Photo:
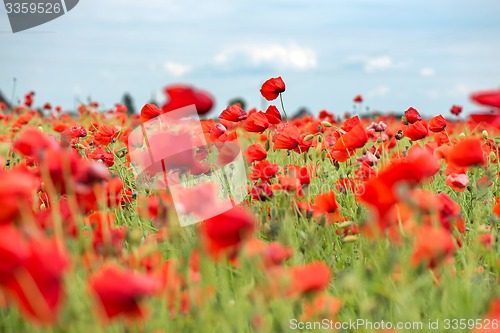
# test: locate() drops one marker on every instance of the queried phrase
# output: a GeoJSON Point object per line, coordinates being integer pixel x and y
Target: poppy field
{"type": "Point", "coordinates": [387, 221]}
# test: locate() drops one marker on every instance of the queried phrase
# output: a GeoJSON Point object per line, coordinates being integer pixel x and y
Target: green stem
{"type": "Point", "coordinates": [283, 107]}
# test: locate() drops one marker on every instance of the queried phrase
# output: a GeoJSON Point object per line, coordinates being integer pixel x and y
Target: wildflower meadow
{"type": "Point", "coordinates": [356, 222]}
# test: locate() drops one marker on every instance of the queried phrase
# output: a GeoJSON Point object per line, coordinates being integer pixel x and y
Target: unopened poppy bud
{"type": "Point", "coordinates": [79, 146]}
{"type": "Point", "coordinates": [462, 135]}
{"type": "Point", "coordinates": [267, 145]}
{"type": "Point", "coordinates": [350, 239]}
{"type": "Point", "coordinates": [493, 156]}
{"type": "Point", "coordinates": [309, 137]}
{"type": "Point", "coordinates": [404, 120]}
{"type": "Point", "coordinates": [485, 134]}
{"type": "Point", "coordinates": [320, 139]}
{"type": "Point", "coordinates": [134, 236]}
{"type": "Point", "coordinates": [344, 224]}
{"type": "Point", "coordinates": [326, 124]}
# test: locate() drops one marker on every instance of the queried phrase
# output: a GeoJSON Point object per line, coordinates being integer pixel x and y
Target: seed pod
{"type": "Point", "coordinates": [309, 137]}
{"type": "Point", "coordinates": [350, 239]}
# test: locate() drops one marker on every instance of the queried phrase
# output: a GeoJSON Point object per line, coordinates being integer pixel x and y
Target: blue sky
{"type": "Point", "coordinates": [426, 54]}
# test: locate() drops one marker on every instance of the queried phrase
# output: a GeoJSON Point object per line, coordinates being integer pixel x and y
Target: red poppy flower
{"type": "Point", "coordinates": [326, 203]}
{"type": "Point", "coordinates": [355, 138]}
{"type": "Point", "coordinates": [358, 99]}
{"type": "Point", "coordinates": [322, 306]}
{"type": "Point", "coordinates": [149, 111]}
{"type": "Point", "coordinates": [234, 113]}
{"type": "Point", "coordinates": [107, 238]}
{"type": "Point", "coordinates": [120, 291]}
{"type": "Point", "coordinates": [493, 316]}
{"type": "Point", "coordinates": [269, 254]}
{"type": "Point", "coordinates": [287, 138]}
{"type": "Point", "coordinates": [466, 153]}
{"type": "Point", "coordinates": [488, 98]}
{"type": "Point", "coordinates": [100, 154]}
{"type": "Point", "coordinates": [496, 209]}
{"type": "Point", "coordinates": [350, 123]}
{"type": "Point", "coordinates": [38, 287]}
{"type": "Point", "coordinates": [416, 131]}
{"type": "Point", "coordinates": [105, 135]}
{"type": "Point", "coordinates": [16, 190]}
{"type": "Point", "coordinates": [428, 164]}
{"type": "Point", "coordinates": [13, 250]}
{"type": "Point", "coordinates": [458, 182]}
{"type": "Point", "coordinates": [32, 143]}
{"type": "Point", "coordinates": [489, 119]}
{"type": "Point", "coordinates": [256, 122]}
{"type": "Point", "coordinates": [432, 245]}
{"type": "Point", "coordinates": [180, 96]}
{"type": "Point", "coordinates": [261, 192]}
{"type": "Point", "coordinates": [255, 152]}
{"type": "Point", "coordinates": [412, 115]}
{"type": "Point", "coordinates": [437, 124]}
{"type": "Point", "coordinates": [311, 277]}
{"type": "Point", "coordinates": [273, 115]}
{"type": "Point", "coordinates": [302, 173]}
{"type": "Point", "coordinates": [225, 232]}
{"type": "Point", "coordinates": [456, 110]}
{"type": "Point", "coordinates": [264, 170]}
{"type": "Point", "coordinates": [272, 88]}
{"type": "Point", "coordinates": [380, 192]}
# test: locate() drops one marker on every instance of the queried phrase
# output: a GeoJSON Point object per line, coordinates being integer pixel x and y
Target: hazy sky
{"type": "Point", "coordinates": [428, 54]}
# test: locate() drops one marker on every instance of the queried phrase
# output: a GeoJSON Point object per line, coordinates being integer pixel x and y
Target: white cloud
{"type": "Point", "coordinates": [280, 56]}
{"type": "Point", "coordinates": [176, 69]}
{"type": "Point", "coordinates": [427, 72]}
{"type": "Point", "coordinates": [377, 63]}
{"type": "Point", "coordinates": [379, 91]}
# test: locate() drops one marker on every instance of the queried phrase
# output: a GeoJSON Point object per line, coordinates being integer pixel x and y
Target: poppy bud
{"type": "Point", "coordinates": [134, 236]}
{"type": "Point", "coordinates": [404, 120]}
{"type": "Point", "coordinates": [326, 124]}
{"type": "Point", "coordinates": [320, 139]}
{"type": "Point", "coordinates": [485, 134]}
{"type": "Point", "coordinates": [345, 224]}
{"type": "Point", "coordinates": [309, 137]}
{"type": "Point", "coordinates": [350, 239]}
{"type": "Point", "coordinates": [493, 156]}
